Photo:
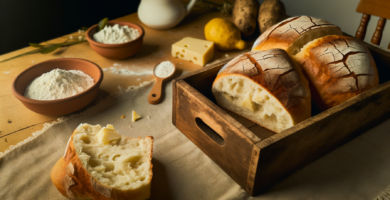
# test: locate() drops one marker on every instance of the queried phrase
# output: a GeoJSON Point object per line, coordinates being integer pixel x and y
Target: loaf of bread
{"type": "Point", "coordinates": [101, 164]}
{"type": "Point", "coordinates": [293, 33]}
{"type": "Point", "coordinates": [264, 87]}
{"type": "Point", "coordinates": [338, 68]}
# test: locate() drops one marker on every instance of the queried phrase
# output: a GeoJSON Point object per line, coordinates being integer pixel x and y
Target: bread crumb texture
{"type": "Point", "coordinates": [263, 86]}
{"type": "Point", "coordinates": [243, 96]}
{"type": "Point", "coordinates": [125, 165]}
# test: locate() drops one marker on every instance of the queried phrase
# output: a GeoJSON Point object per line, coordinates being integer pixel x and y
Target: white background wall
{"type": "Point", "coordinates": [340, 12]}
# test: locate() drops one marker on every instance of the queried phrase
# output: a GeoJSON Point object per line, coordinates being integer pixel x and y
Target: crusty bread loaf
{"type": "Point", "coordinates": [338, 67]}
{"type": "Point", "coordinates": [264, 87]}
{"type": "Point", "coordinates": [293, 33]}
{"type": "Point", "coordinates": [90, 169]}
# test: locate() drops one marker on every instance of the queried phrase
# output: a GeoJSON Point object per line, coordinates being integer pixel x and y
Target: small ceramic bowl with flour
{"type": "Point", "coordinates": [59, 86]}
{"type": "Point", "coordinates": [118, 40]}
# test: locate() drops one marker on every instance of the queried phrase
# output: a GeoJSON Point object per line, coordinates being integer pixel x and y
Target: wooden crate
{"type": "Point", "coordinates": [257, 158]}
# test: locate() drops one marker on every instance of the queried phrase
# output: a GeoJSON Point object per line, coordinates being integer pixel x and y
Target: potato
{"type": "Point", "coordinates": [244, 16]}
{"type": "Point", "coordinates": [270, 13]}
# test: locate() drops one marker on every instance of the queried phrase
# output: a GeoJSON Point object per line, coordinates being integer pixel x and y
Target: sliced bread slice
{"type": "Point", "coordinates": [265, 87]}
{"type": "Point", "coordinates": [98, 163]}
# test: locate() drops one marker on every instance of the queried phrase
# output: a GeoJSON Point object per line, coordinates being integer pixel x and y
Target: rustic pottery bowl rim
{"type": "Point", "coordinates": [22, 98]}
{"type": "Point", "coordinates": [122, 23]}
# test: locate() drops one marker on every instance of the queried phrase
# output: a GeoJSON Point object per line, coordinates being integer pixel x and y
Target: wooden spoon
{"type": "Point", "coordinates": [155, 94]}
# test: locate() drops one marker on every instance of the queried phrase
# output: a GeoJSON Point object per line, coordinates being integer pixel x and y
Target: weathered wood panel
{"type": "Point", "coordinates": [234, 153]}
{"type": "Point", "coordinates": [300, 145]}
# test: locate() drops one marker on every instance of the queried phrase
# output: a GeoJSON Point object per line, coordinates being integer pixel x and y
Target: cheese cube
{"type": "Point", "coordinates": [108, 134]}
{"type": "Point", "coordinates": [135, 116]}
{"type": "Point", "coordinates": [194, 50]}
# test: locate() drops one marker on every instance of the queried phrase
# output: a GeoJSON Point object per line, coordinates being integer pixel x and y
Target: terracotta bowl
{"type": "Point", "coordinates": [59, 106]}
{"type": "Point", "coordinates": [116, 51]}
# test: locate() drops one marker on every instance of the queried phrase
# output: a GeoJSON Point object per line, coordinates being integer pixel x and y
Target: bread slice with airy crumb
{"type": "Point", "coordinates": [265, 87]}
{"type": "Point", "coordinates": [101, 164]}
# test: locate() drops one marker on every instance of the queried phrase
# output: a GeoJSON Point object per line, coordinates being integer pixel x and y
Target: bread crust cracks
{"type": "Point", "coordinates": [68, 182]}
{"type": "Point", "coordinates": [103, 190]}
{"type": "Point", "coordinates": [345, 58]}
{"type": "Point", "coordinates": [70, 169]}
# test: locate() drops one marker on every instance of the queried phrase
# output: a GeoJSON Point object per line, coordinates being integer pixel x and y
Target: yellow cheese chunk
{"type": "Point", "coordinates": [135, 116]}
{"type": "Point", "coordinates": [248, 103]}
{"type": "Point", "coordinates": [108, 134]}
{"type": "Point", "coordinates": [194, 50]}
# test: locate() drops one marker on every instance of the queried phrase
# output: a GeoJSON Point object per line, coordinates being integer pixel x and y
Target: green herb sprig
{"type": "Point", "coordinates": [45, 49]}
{"type": "Point", "coordinates": [102, 23]}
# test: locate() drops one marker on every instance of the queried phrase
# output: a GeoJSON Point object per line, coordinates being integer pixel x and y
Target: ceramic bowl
{"type": "Point", "coordinates": [116, 51]}
{"type": "Point", "coordinates": [59, 106]}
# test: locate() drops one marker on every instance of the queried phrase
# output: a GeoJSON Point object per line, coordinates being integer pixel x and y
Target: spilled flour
{"type": "Point", "coordinates": [127, 72]}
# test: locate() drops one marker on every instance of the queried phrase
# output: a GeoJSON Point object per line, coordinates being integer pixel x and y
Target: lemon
{"type": "Point", "coordinates": [225, 35]}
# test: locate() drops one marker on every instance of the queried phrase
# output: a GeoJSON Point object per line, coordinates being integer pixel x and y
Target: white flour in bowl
{"type": "Point", "coordinates": [116, 34]}
{"type": "Point", "coordinates": [58, 84]}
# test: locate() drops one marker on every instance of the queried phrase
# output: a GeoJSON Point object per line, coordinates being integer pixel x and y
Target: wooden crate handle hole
{"type": "Point", "coordinates": [209, 132]}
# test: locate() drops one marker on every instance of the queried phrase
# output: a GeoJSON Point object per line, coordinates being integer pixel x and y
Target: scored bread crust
{"type": "Point", "coordinates": [338, 68]}
{"type": "Point", "coordinates": [73, 180]}
{"type": "Point", "coordinates": [292, 33]}
{"type": "Point", "coordinates": [273, 71]}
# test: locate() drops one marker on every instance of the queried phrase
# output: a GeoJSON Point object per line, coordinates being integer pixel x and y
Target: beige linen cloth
{"type": "Point", "coordinates": [358, 170]}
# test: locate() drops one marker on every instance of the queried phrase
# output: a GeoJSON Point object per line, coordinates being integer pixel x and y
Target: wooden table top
{"type": "Point", "coordinates": [17, 123]}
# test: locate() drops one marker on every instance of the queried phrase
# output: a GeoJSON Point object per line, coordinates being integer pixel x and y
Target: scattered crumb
{"type": "Point", "coordinates": [80, 37]}
{"type": "Point", "coordinates": [105, 69]}
{"type": "Point", "coordinates": [71, 37]}
{"type": "Point", "coordinates": [5, 139]}
{"type": "Point", "coordinates": [33, 61]}
{"type": "Point", "coordinates": [148, 117]}
{"type": "Point", "coordinates": [122, 116]}
{"type": "Point", "coordinates": [9, 121]}
{"type": "Point", "coordinates": [226, 55]}
{"type": "Point", "coordinates": [138, 79]}
{"type": "Point", "coordinates": [7, 72]}
{"type": "Point", "coordinates": [130, 126]}
{"type": "Point", "coordinates": [116, 64]}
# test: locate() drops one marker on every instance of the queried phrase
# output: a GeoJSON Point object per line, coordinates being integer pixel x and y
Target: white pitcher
{"type": "Point", "coordinates": [163, 14]}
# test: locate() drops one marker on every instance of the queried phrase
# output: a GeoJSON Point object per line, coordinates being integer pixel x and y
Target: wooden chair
{"type": "Point", "coordinates": [380, 8]}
